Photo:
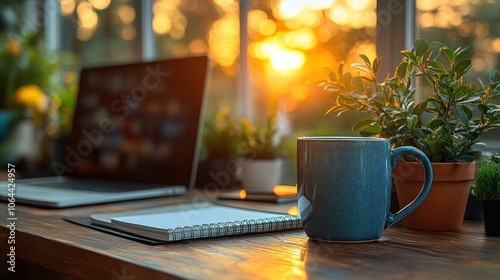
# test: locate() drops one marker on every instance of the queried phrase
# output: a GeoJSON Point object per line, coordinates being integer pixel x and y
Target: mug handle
{"type": "Point", "coordinates": [428, 176]}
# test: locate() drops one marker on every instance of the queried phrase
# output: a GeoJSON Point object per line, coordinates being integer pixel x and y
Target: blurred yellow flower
{"type": "Point", "coordinates": [222, 118]}
{"type": "Point", "coordinates": [14, 47]}
{"type": "Point", "coordinates": [32, 97]}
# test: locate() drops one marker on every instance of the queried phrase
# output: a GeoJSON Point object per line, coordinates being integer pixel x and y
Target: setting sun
{"type": "Point", "coordinates": [286, 60]}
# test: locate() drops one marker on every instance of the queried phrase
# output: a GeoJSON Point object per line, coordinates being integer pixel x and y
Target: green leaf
{"type": "Point", "coordinates": [357, 95]}
{"type": "Point", "coordinates": [435, 123]}
{"type": "Point", "coordinates": [496, 159]}
{"type": "Point", "coordinates": [357, 82]}
{"type": "Point", "coordinates": [420, 107]}
{"type": "Point", "coordinates": [365, 59]}
{"type": "Point", "coordinates": [462, 52]}
{"type": "Point", "coordinates": [465, 158]}
{"type": "Point", "coordinates": [497, 88]}
{"type": "Point", "coordinates": [332, 109]}
{"type": "Point", "coordinates": [468, 112]}
{"type": "Point", "coordinates": [370, 131]}
{"type": "Point", "coordinates": [412, 119]}
{"type": "Point", "coordinates": [375, 64]}
{"type": "Point", "coordinates": [449, 53]}
{"type": "Point", "coordinates": [362, 124]}
{"type": "Point", "coordinates": [421, 46]}
{"type": "Point", "coordinates": [448, 152]}
{"type": "Point", "coordinates": [459, 112]}
{"type": "Point", "coordinates": [463, 66]}
{"type": "Point", "coordinates": [466, 135]}
{"type": "Point", "coordinates": [423, 144]}
{"type": "Point", "coordinates": [347, 80]}
{"type": "Point", "coordinates": [340, 70]}
{"type": "Point", "coordinates": [401, 70]}
{"type": "Point", "coordinates": [409, 55]}
{"type": "Point", "coordinates": [419, 133]}
{"type": "Point", "coordinates": [493, 74]}
{"type": "Point", "coordinates": [342, 112]}
{"type": "Point", "coordinates": [478, 145]}
{"type": "Point", "coordinates": [361, 67]}
{"type": "Point", "coordinates": [435, 64]}
{"type": "Point", "coordinates": [483, 109]}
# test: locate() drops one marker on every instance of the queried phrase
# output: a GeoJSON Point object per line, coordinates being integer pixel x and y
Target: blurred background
{"type": "Point", "coordinates": [262, 51]}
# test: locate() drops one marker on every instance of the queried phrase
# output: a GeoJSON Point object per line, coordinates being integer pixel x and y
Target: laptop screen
{"type": "Point", "coordinates": [139, 122]}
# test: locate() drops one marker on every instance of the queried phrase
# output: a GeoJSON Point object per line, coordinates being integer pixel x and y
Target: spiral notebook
{"type": "Point", "coordinates": [197, 220]}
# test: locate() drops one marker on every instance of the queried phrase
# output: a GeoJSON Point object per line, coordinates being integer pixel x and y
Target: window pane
{"type": "Point", "coordinates": [291, 41]}
{"type": "Point", "coordinates": [200, 27]}
{"type": "Point", "coordinates": [101, 32]}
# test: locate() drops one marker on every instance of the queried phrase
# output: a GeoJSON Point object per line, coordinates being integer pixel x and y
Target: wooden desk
{"type": "Point", "coordinates": [44, 239]}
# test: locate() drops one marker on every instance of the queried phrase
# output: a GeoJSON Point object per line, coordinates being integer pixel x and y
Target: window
{"type": "Point", "coordinates": [289, 41]}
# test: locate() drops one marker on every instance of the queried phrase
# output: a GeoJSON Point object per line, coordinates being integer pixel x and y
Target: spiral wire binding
{"type": "Point", "coordinates": [233, 228]}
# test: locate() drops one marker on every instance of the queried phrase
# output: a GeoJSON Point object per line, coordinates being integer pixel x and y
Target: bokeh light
{"type": "Point", "coordinates": [289, 40]}
{"type": "Point", "coordinates": [67, 7]}
{"type": "Point", "coordinates": [100, 4]}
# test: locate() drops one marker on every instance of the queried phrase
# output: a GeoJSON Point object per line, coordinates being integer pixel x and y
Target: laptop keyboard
{"type": "Point", "coordinates": [95, 186]}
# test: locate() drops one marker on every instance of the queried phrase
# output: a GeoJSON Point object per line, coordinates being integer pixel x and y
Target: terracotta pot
{"type": "Point", "coordinates": [444, 207]}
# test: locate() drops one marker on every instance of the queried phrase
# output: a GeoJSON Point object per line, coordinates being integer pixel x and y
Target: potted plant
{"type": "Point", "coordinates": [29, 99]}
{"type": "Point", "coordinates": [262, 148]}
{"type": "Point", "coordinates": [220, 164]}
{"type": "Point", "coordinates": [446, 125]}
{"type": "Point", "coordinates": [487, 190]}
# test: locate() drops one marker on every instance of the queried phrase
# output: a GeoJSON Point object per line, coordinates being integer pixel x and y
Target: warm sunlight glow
{"type": "Point", "coordinates": [161, 24]}
{"type": "Point", "coordinates": [83, 8]}
{"type": "Point", "coordinates": [301, 39]}
{"type": "Point", "coordinates": [495, 44]}
{"type": "Point", "coordinates": [227, 5]}
{"type": "Point", "coordinates": [128, 33]}
{"type": "Point", "coordinates": [126, 14]}
{"type": "Point", "coordinates": [299, 93]}
{"type": "Point", "coordinates": [284, 190]}
{"type": "Point", "coordinates": [88, 20]}
{"type": "Point", "coordinates": [83, 34]}
{"type": "Point", "coordinates": [290, 8]}
{"type": "Point", "coordinates": [359, 5]}
{"type": "Point", "coordinates": [178, 31]}
{"type": "Point", "coordinates": [267, 27]}
{"type": "Point", "coordinates": [67, 7]}
{"type": "Point", "coordinates": [286, 60]}
{"type": "Point", "coordinates": [478, 64]}
{"type": "Point", "coordinates": [100, 4]}
{"type": "Point", "coordinates": [320, 4]}
{"type": "Point", "coordinates": [294, 210]}
{"type": "Point", "coordinates": [338, 14]}
{"type": "Point", "coordinates": [198, 46]}
{"type": "Point", "coordinates": [255, 18]}
{"type": "Point", "coordinates": [426, 20]}
{"type": "Point", "coordinates": [223, 40]}
{"type": "Point", "coordinates": [427, 5]}
{"type": "Point", "coordinates": [243, 194]}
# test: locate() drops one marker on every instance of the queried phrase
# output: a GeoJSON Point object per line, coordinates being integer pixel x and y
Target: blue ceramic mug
{"type": "Point", "coordinates": [344, 186]}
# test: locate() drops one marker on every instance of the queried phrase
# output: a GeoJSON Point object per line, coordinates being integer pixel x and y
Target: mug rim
{"type": "Point", "coordinates": [342, 138]}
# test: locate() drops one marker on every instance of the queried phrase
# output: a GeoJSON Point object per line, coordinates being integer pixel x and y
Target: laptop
{"type": "Point", "coordinates": [136, 134]}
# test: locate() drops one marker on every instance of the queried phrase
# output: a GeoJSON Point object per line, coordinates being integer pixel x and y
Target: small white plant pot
{"type": "Point", "coordinates": [261, 175]}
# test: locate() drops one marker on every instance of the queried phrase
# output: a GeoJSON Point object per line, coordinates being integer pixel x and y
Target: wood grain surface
{"type": "Point", "coordinates": [44, 239]}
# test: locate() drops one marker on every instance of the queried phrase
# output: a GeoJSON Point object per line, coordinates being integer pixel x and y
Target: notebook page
{"type": "Point", "coordinates": [192, 217]}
